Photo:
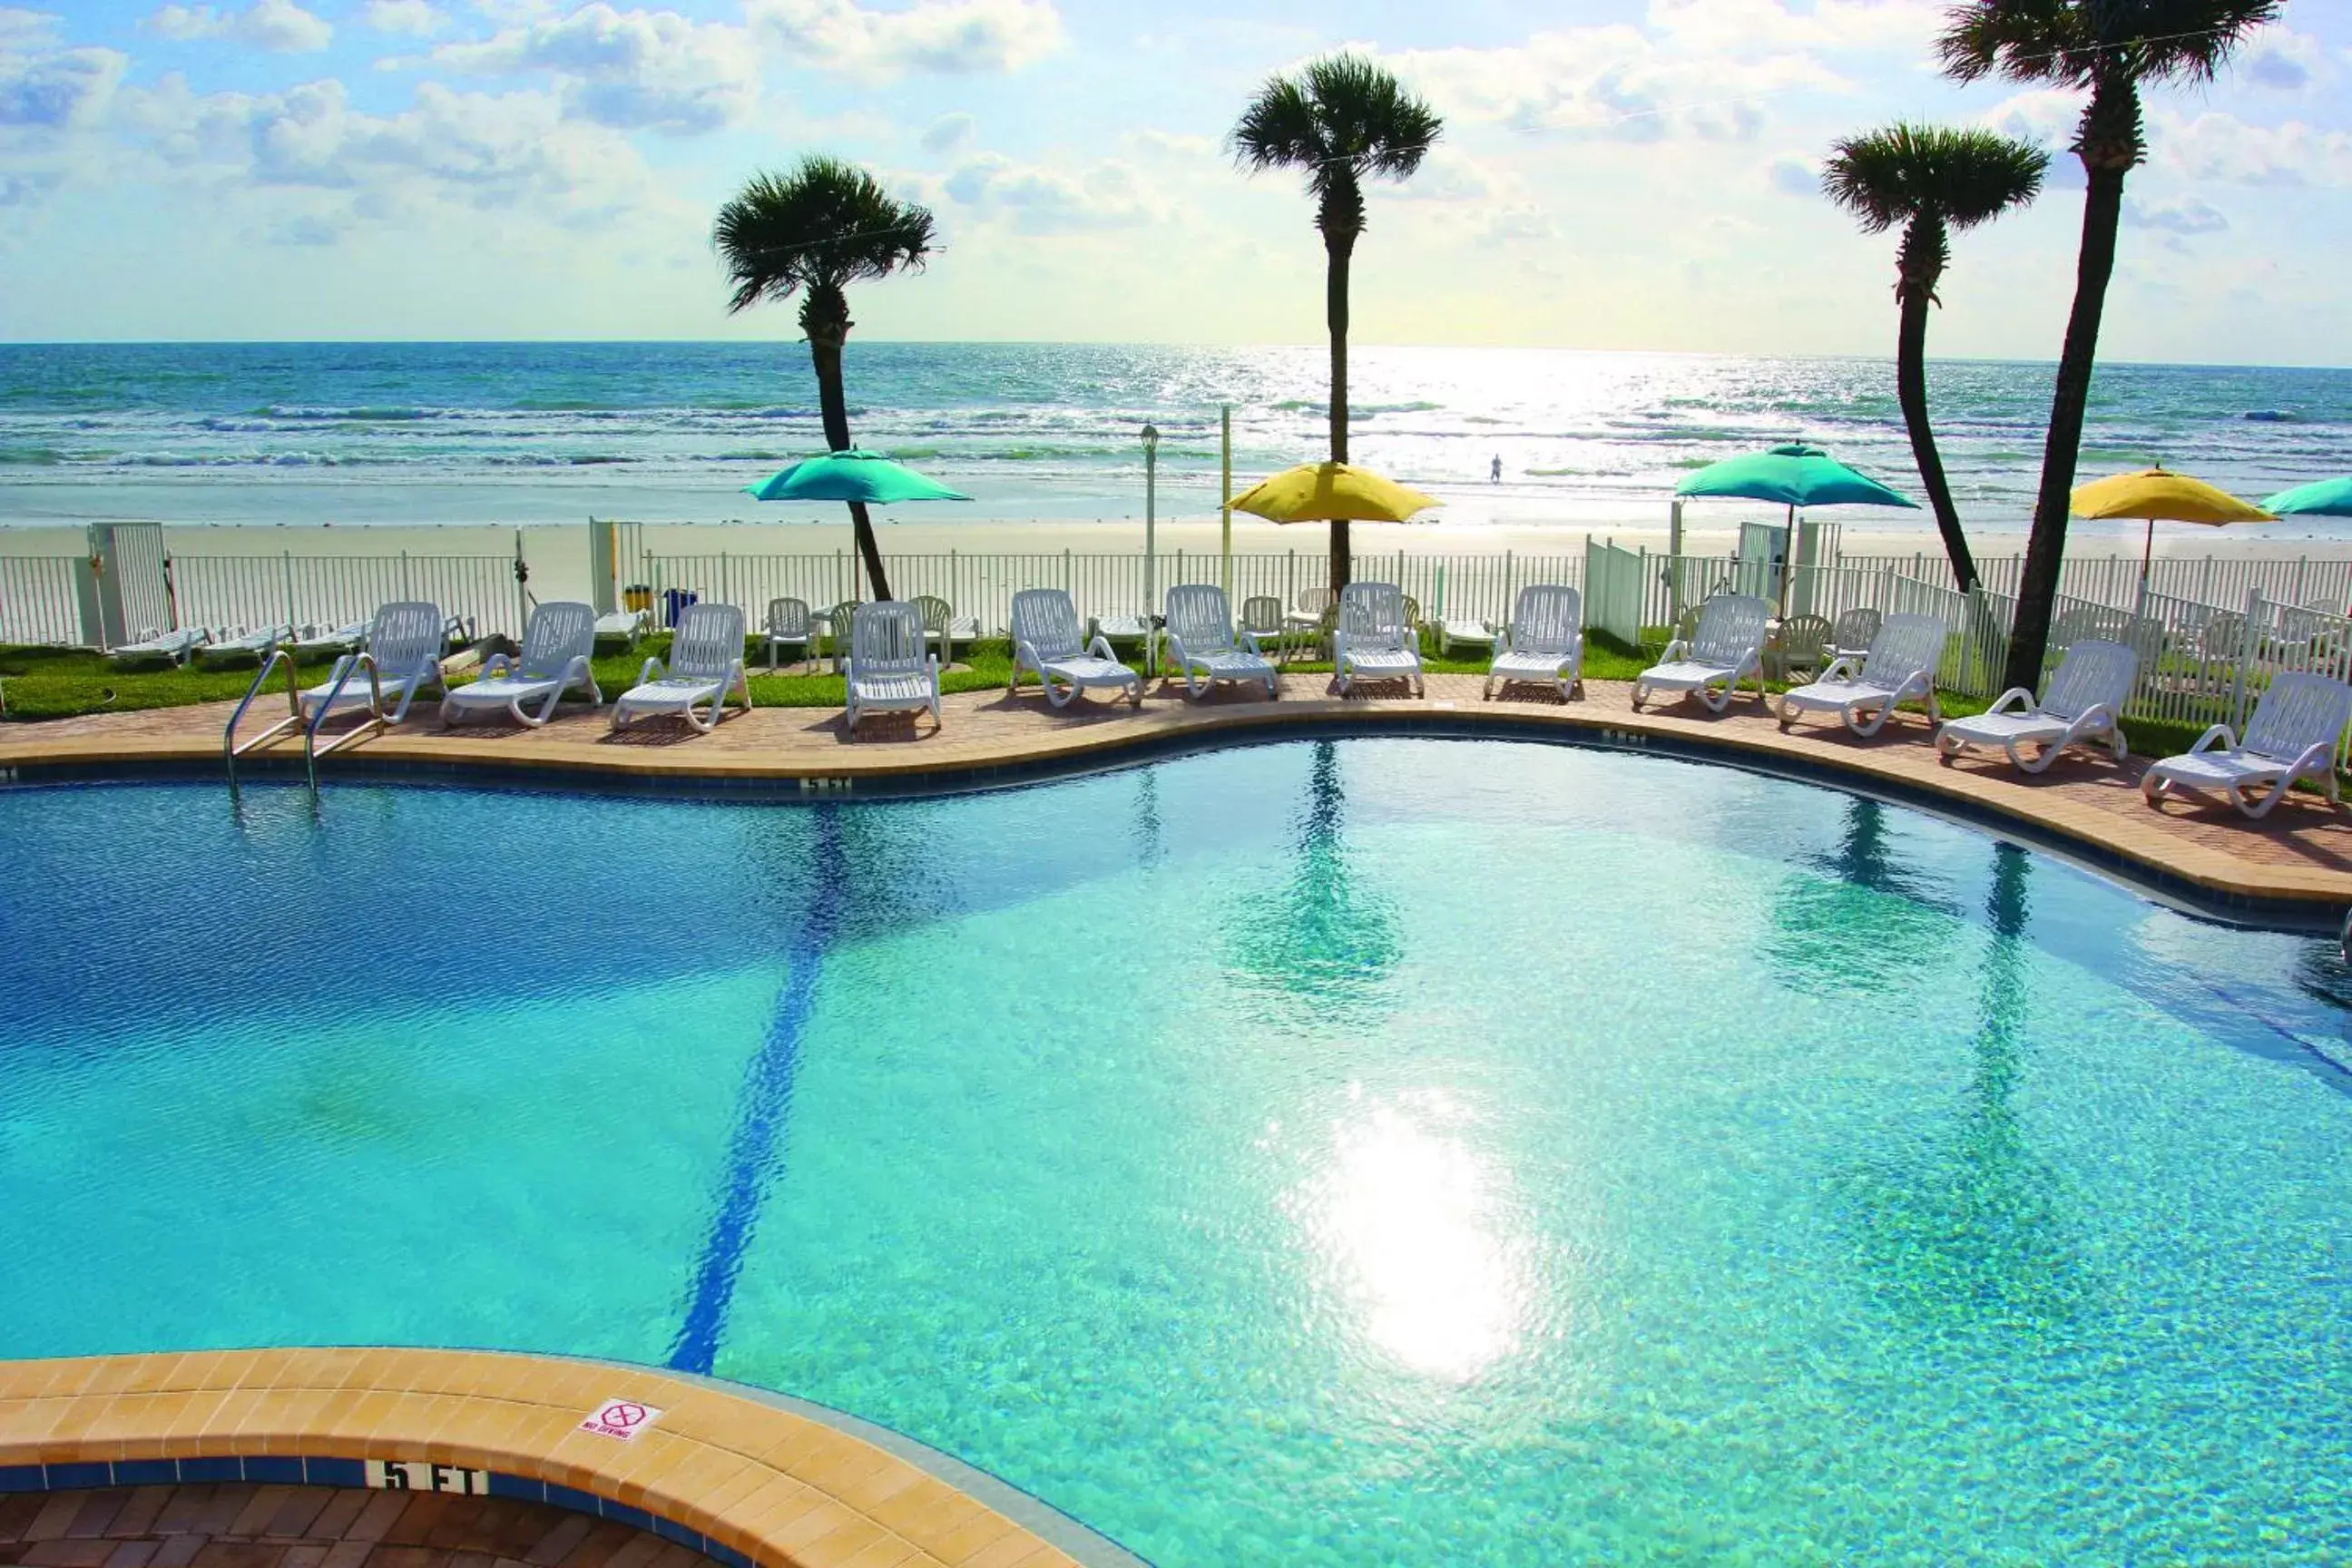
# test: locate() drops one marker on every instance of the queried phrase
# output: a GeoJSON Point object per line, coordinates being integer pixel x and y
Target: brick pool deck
{"type": "Point", "coordinates": [2298, 860]}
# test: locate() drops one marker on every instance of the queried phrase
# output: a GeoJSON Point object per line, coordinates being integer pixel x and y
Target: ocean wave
{"type": "Point", "coordinates": [369, 414]}
{"type": "Point", "coordinates": [30, 457]}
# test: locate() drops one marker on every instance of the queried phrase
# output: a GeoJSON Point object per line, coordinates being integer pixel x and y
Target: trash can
{"type": "Point", "coordinates": [675, 601]}
{"type": "Point", "coordinates": [637, 597]}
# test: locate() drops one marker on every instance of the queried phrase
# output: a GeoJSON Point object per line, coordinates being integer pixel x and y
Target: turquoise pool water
{"type": "Point", "coordinates": [1331, 1154]}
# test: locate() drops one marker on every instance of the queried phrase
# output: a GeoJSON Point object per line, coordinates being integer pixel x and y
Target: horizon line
{"type": "Point", "coordinates": [6, 343]}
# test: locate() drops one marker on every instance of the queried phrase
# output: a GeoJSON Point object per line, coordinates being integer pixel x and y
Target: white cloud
{"type": "Point", "coordinates": [949, 36]}
{"type": "Point", "coordinates": [2217, 146]}
{"type": "Point", "coordinates": [2176, 215]}
{"type": "Point", "coordinates": [1449, 174]}
{"type": "Point", "coordinates": [56, 90]}
{"type": "Point", "coordinates": [313, 163]}
{"type": "Point", "coordinates": [28, 30]}
{"type": "Point", "coordinates": [631, 69]}
{"type": "Point", "coordinates": [2283, 60]}
{"type": "Point", "coordinates": [279, 27]}
{"type": "Point", "coordinates": [1795, 176]}
{"type": "Point", "coordinates": [1741, 27]}
{"type": "Point", "coordinates": [1519, 221]}
{"type": "Point", "coordinates": [948, 133]}
{"type": "Point", "coordinates": [411, 18]}
{"type": "Point", "coordinates": [1041, 200]}
{"type": "Point", "coordinates": [1615, 81]}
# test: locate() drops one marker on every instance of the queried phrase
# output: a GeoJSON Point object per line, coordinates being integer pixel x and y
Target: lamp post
{"type": "Point", "coordinates": [1151, 546]}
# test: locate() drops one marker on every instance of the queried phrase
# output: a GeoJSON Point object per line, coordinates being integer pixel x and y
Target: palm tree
{"type": "Point", "coordinates": [1931, 179]}
{"type": "Point", "coordinates": [2108, 47]}
{"type": "Point", "coordinates": [814, 231]}
{"type": "Point", "coordinates": [1340, 120]}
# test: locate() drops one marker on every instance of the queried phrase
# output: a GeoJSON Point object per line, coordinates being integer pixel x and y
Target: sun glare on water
{"type": "Point", "coordinates": [1409, 1224]}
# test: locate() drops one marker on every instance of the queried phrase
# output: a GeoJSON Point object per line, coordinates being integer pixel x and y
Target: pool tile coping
{"type": "Point", "coordinates": [747, 1482]}
{"type": "Point", "coordinates": [980, 745]}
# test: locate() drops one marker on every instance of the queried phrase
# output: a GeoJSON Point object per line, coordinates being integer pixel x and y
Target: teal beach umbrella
{"type": "Point", "coordinates": [1793, 475]}
{"type": "Point", "coordinates": [854, 475]}
{"type": "Point", "coordinates": [2329, 498]}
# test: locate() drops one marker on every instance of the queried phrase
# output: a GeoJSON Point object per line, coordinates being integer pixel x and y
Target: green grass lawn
{"type": "Point", "coordinates": [38, 683]}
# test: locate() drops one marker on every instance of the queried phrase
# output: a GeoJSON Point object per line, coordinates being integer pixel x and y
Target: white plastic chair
{"type": "Point", "coordinates": [704, 670]}
{"type": "Point", "coordinates": [891, 668]}
{"type": "Point", "coordinates": [2292, 736]}
{"type": "Point", "coordinates": [1900, 665]}
{"type": "Point", "coordinates": [1205, 646]}
{"type": "Point", "coordinates": [2084, 704]}
{"type": "Point", "coordinates": [1371, 640]}
{"type": "Point", "coordinates": [556, 647]}
{"type": "Point", "coordinates": [1725, 649]}
{"type": "Point", "coordinates": [1855, 630]}
{"type": "Point", "coordinates": [788, 626]}
{"type": "Point", "coordinates": [1545, 641]}
{"type": "Point", "coordinates": [1048, 642]}
{"type": "Point", "coordinates": [402, 659]}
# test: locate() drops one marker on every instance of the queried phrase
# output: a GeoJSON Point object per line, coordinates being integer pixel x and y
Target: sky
{"type": "Point", "coordinates": [1613, 174]}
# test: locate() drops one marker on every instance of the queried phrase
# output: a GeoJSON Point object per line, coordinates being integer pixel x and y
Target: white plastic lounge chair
{"type": "Point", "coordinates": [554, 660]}
{"type": "Point", "coordinates": [2084, 704]}
{"type": "Point", "coordinates": [402, 659]}
{"type": "Point", "coordinates": [626, 626]}
{"type": "Point", "coordinates": [1205, 646]}
{"type": "Point", "coordinates": [1900, 665]}
{"type": "Point", "coordinates": [705, 668]}
{"type": "Point", "coordinates": [2292, 736]}
{"type": "Point", "coordinates": [788, 628]}
{"type": "Point", "coordinates": [1372, 640]}
{"type": "Point", "coordinates": [1545, 641]}
{"type": "Point", "coordinates": [1456, 631]}
{"type": "Point", "coordinates": [891, 668]}
{"type": "Point", "coordinates": [1048, 643]}
{"type": "Point", "coordinates": [174, 646]}
{"type": "Point", "coordinates": [1725, 649]}
{"type": "Point", "coordinates": [261, 643]}
{"type": "Point", "coordinates": [317, 642]}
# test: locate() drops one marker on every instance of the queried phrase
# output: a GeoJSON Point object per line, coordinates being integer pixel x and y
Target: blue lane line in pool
{"type": "Point", "coordinates": [755, 1153]}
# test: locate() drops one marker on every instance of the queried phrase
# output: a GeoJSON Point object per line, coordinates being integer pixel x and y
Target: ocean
{"type": "Point", "coordinates": [407, 434]}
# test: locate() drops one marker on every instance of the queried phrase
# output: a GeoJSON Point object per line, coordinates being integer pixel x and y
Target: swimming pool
{"type": "Point", "coordinates": [1331, 1153]}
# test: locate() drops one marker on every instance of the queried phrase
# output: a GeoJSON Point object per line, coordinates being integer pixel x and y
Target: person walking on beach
{"type": "Point", "coordinates": [1495, 471]}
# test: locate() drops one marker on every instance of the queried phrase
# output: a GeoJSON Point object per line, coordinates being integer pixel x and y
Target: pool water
{"type": "Point", "coordinates": [1324, 1153]}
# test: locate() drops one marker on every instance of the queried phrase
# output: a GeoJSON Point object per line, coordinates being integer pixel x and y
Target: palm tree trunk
{"type": "Point", "coordinates": [1341, 247]}
{"type": "Point", "coordinates": [1911, 390]}
{"type": "Point", "coordinates": [2112, 118]}
{"type": "Point", "coordinates": [828, 329]}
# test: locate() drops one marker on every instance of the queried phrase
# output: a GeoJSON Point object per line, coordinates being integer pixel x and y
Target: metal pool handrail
{"type": "Point", "coordinates": [375, 709]}
{"type": "Point", "coordinates": [230, 748]}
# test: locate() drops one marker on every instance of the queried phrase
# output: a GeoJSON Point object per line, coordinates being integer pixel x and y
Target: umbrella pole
{"type": "Point", "coordinates": [2147, 559]}
{"type": "Point", "coordinates": [1788, 559]}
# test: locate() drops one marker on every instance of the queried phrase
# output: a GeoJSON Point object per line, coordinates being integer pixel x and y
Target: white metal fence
{"type": "Point", "coordinates": [293, 590]}
{"type": "Point", "coordinates": [39, 602]}
{"type": "Point", "coordinates": [983, 585]}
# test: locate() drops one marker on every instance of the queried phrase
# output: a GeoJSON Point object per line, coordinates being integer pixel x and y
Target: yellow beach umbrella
{"type": "Point", "coordinates": [1331, 492]}
{"type": "Point", "coordinates": [2161, 496]}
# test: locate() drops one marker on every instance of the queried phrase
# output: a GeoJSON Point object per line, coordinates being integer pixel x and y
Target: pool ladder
{"type": "Point", "coordinates": [345, 668]}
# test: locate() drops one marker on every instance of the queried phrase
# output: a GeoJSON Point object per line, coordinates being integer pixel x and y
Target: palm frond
{"type": "Point", "coordinates": [1961, 175]}
{"type": "Point", "coordinates": [2075, 43]}
{"type": "Point", "coordinates": [1340, 114]}
{"type": "Point", "coordinates": [823, 224]}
